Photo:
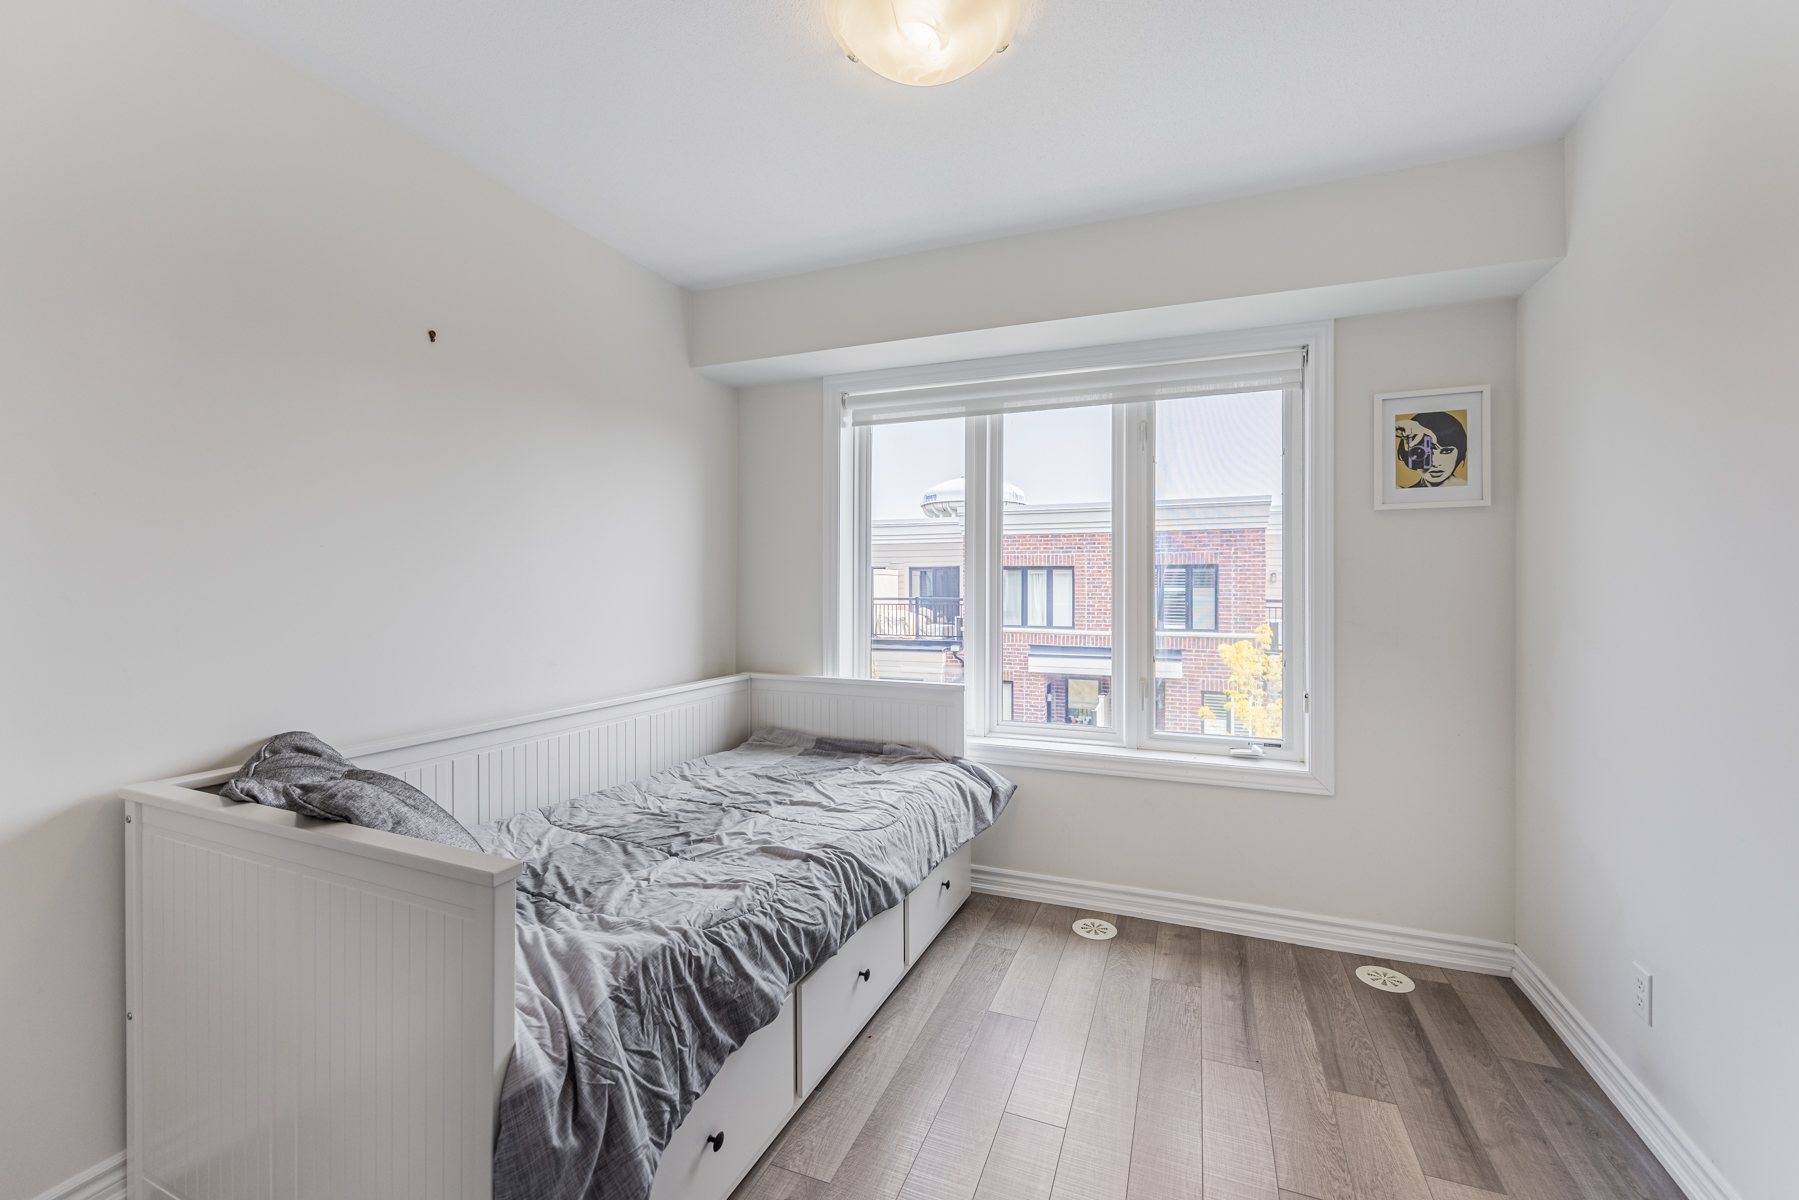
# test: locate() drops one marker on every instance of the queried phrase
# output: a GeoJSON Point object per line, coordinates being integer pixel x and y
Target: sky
{"type": "Point", "coordinates": [1206, 446]}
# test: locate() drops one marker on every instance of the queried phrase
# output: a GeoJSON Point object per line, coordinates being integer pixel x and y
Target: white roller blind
{"type": "Point", "coordinates": [1067, 389]}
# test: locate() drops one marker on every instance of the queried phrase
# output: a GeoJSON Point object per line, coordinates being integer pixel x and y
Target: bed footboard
{"type": "Point", "coordinates": [313, 1009]}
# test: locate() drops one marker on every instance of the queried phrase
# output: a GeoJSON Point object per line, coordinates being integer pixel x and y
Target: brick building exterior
{"type": "Point", "coordinates": [1218, 560]}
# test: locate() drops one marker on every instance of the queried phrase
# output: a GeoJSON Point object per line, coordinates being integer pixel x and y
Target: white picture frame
{"type": "Point", "coordinates": [1409, 453]}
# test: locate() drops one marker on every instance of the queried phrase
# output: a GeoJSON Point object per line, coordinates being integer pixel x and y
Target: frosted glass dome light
{"type": "Point", "coordinates": [922, 42]}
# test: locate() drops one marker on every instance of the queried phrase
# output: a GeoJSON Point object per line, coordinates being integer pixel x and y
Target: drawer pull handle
{"type": "Point", "coordinates": [946, 884]}
{"type": "Point", "coordinates": [863, 973]}
{"type": "Point", "coordinates": [717, 1141]}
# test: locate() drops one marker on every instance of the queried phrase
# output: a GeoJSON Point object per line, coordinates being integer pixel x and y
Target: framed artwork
{"type": "Point", "coordinates": [1431, 449]}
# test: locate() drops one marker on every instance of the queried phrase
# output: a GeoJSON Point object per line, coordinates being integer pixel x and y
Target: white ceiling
{"type": "Point", "coordinates": [722, 140]}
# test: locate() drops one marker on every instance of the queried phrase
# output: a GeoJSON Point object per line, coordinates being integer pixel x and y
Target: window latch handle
{"type": "Point", "coordinates": [1250, 751]}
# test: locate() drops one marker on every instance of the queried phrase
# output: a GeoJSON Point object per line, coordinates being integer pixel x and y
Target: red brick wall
{"type": "Point", "coordinates": [1241, 558]}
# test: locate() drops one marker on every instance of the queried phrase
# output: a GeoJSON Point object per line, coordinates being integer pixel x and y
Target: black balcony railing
{"type": "Point", "coordinates": [917, 619]}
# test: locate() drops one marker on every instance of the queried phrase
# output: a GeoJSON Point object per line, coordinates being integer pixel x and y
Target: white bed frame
{"type": "Point", "coordinates": [317, 1011]}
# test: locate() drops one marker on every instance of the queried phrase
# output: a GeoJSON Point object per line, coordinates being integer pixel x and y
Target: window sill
{"type": "Point", "coordinates": [1269, 775]}
{"type": "Point", "coordinates": [1107, 632]}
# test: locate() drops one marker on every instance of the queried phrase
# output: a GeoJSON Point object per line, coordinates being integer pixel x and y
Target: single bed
{"type": "Point", "coordinates": [686, 931]}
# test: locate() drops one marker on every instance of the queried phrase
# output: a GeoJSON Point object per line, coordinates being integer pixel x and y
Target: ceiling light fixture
{"type": "Point", "coordinates": [922, 42]}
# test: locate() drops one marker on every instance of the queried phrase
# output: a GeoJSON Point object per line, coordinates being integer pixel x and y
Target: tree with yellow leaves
{"type": "Point", "coordinates": [1254, 686]}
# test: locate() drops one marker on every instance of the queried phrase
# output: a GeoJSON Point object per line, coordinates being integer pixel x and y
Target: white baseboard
{"type": "Point", "coordinates": [1689, 1166]}
{"type": "Point", "coordinates": [1277, 924]}
{"type": "Point", "coordinates": [102, 1181]}
{"type": "Point", "coordinates": [1678, 1153]}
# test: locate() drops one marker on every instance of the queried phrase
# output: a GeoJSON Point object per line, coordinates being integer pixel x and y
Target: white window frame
{"type": "Point", "coordinates": [1130, 748]}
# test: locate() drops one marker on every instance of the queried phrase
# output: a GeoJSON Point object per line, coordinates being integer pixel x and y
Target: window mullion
{"type": "Point", "coordinates": [982, 586]}
{"type": "Point", "coordinates": [1298, 530]}
{"type": "Point", "coordinates": [1133, 568]}
{"type": "Point", "coordinates": [860, 616]}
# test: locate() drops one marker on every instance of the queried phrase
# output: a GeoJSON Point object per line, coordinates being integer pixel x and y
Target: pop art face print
{"type": "Point", "coordinates": [1431, 449]}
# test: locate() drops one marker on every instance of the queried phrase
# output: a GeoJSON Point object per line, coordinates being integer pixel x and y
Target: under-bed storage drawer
{"type": "Point", "coordinates": [837, 999]}
{"type": "Point", "coordinates": [933, 902]}
{"type": "Point", "coordinates": [747, 1103]}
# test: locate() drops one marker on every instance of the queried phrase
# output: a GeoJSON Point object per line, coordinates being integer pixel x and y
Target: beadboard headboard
{"type": "Point", "coordinates": [491, 772]}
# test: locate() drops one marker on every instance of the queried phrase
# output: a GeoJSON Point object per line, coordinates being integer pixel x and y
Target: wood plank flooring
{"type": "Point", "coordinates": [1018, 1061]}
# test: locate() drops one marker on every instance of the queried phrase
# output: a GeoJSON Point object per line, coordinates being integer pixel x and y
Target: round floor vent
{"type": "Point", "coordinates": [1384, 978]}
{"type": "Point", "coordinates": [1092, 927]}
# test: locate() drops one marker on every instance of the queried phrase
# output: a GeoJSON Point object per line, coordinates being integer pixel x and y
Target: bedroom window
{"type": "Point", "coordinates": [1111, 548]}
{"type": "Point", "coordinates": [1054, 640]}
{"type": "Point", "coordinates": [915, 551]}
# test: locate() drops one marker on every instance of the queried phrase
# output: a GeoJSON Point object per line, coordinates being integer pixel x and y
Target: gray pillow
{"type": "Point", "coordinates": [298, 771]}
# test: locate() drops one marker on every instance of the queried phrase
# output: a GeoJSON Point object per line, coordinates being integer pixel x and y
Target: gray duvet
{"type": "Point", "coordinates": [662, 922]}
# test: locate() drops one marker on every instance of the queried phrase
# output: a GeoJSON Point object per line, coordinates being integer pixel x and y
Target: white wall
{"type": "Point", "coordinates": [1420, 831]}
{"type": "Point", "coordinates": [780, 528]}
{"type": "Point", "coordinates": [242, 493]}
{"type": "Point", "coordinates": [1657, 820]}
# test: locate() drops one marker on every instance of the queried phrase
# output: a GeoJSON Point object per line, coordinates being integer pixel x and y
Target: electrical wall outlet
{"type": "Point", "coordinates": [1643, 998]}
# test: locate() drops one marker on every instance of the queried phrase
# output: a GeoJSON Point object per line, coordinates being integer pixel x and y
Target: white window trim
{"type": "Point", "coordinates": [1308, 574]}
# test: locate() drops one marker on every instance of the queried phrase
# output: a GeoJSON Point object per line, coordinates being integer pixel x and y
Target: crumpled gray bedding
{"type": "Point", "coordinates": [662, 922]}
{"type": "Point", "coordinates": [299, 771]}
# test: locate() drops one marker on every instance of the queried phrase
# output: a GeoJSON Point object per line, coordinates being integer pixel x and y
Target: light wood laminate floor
{"type": "Point", "coordinates": [1018, 1061]}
